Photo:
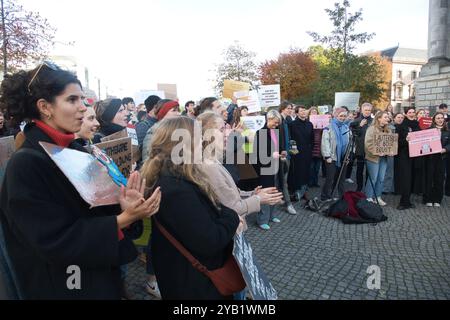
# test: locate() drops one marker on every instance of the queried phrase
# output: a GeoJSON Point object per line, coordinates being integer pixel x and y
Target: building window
{"type": "Point", "coordinates": [399, 74]}
{"type": "Point", "coordinates": [414, 75]}
{"type": "Point", "coordinates": [399, 93]}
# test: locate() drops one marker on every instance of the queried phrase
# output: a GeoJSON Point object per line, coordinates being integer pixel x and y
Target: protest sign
{"type": "Point", "coordinates": [241, 95]}
{"type": "Point", "coordinates": [231, 86]}
{"type": "Point", "coordinates": [129, 132]}
{"type": "Point", "coordinates": [141, 96]}
{"type": "Point", "coordinates": [425, 123]}
{"type": "Point", "coordinates": [89, 177]}
{"type": "Point", "coordinates": [255, 278]}
{"type": "Point", "coordinates": [252, 102]}
{"type": "Point", "coordinates": [422, 143]}
{"type": "Point", "coordinates": [386, 144]}
{"type": "Point", "coordinates": [254, 123]}
{"type": "Point", "coordinates": [320, 122]}
{"type": "Point", "coordinates": [7, 148]}
{"type": "Point", "coordinates": [121, 152]}
{"type": "Point", "coordinates": [323, 109]}
{"type": "Point", "coordinates": [270, 96]}
{"type": "Point", "coordinates": [170, 90]}
{"type": "Point", "coordinates": [347, 99]}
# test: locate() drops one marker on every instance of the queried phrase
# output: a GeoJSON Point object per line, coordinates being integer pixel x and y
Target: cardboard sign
{"type": "Point", "coordinates": [7, 148]}
{"type": "Point", "coordinates": [386, 144]}
{"type": "Point", "coordinates": [121, 152]}
{"type": "Point", "coordinates": [320, 122]}
{"type": "Point", "coordinates": [254, 123]}
{"type": "Point", "coordinates": [425, 123]}
{"type": "Point", "coordinates": [252, 102]}
{"type": "Point", "coordinates": [347, 99]}
{"type": "Point", "coordinates": [423, 143]}
{"type": "Point", "coordinates": [270, 96]}
{"type": "Point", "coordinates": [243, 95]}
{"type": "Point", "coordinates": [231, 86]}
{"type": "Point", "coordinates": [129, 132]}
{"type": "Point", "coordinates": [170, 90]}
{"type": "Point", "coordinates": [255, 278]}
{"type": "Point", "coordinates": [89, 177]}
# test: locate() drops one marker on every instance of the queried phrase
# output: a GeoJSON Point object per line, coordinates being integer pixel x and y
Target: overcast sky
{"type": "Point", "coordinates": [136, 44]}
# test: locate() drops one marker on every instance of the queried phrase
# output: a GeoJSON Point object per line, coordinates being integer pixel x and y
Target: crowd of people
{"type": "Point", "coordinates": [46, 224]}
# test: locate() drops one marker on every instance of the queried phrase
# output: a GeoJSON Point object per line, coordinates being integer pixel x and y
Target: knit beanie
{"type": "Point", "coordinates": [166, 108]}
{"type": "Point", "coordinates": [111, 109]}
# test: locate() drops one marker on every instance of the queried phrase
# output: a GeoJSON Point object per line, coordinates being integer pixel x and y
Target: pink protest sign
{"type": "Point", "coordinates": [320, 122]}
{"type": "Point", "coordinates": [423, 143]}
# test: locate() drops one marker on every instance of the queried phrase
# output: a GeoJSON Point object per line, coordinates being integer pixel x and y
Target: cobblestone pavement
{"type": "Point", "coordinates": [310, 257]}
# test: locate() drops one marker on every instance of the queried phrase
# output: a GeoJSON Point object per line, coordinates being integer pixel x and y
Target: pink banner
{"type": "Point", "coordinates": [423, 143]}
{"type": "Point", "coordinates": [320, 122]}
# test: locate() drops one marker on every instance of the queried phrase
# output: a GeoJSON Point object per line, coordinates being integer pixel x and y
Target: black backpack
{"type": "Point", "coordinates": [370, 211]}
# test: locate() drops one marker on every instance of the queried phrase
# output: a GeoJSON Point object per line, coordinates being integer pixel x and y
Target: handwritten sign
{"type": "Point", "coordinates": [7, 148]}
{"type": "Point", "coordinates": [422, 143]}
{"type": "Point", "coordinates": [89, 177]}
{"type": "Point", "coordinates": [347, 99]}
{"type": "Point", "coordinates": [121, 152]}
{"type": "Point", "coordinates": [231, 86]}
{"type": "Point", "coordinates": [270, 96]}
{"type": "Point", "coordinates": [252, 102]}
{"type": "Point", "coordinates": [386, 144]}
{"type": "Point", "coordinates": [254, 123]}
{"type": "Point", "coordinates": [129, 132]}
{"type": "Point", "coordinates": [320, 122]}
{"type": "Point", "coordinates": [255, 278]}
{"type": "Point", "coordinates": [425, 123]}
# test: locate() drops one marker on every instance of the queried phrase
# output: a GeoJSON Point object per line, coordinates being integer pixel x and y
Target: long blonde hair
{"type": "Point", "coordinates": [160, 160]}
{"type": "Point", "coordinates": [376, 122]}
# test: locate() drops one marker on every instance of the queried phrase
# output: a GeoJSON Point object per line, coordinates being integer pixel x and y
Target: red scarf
{"type": "Point", "coordinates": [61, 139]}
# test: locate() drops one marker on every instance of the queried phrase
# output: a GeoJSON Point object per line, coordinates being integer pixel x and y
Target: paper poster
{"type": "Point", "coordinates": [231, 86]}
{"type": "Point", "coordinates": [426, 142]}
{"type": "Point", "coordinates": [254, 123]}
{"type": "Point", "coordinates": [7, 148]}
{"type": "Point", "coordinates": [386, 144]}
{"type": "Point", "coordinates": [270, 96]}
{"type": "Point", "coordinates": [241, 95]}
{"type": "Point", "coordinates": [121, 152]}
{"type": "Point", "coordinates": [131, 130]}
{"type": "Point", "coordinates": [320, 122]}
{"type": "Point", "coordinates": [425, 123]}
{"type": "Point", "coordinates": [252, 103]}
{"type": "Point", "coordinates": [254, 276]}
{"type": "Point", "coordinates": [323, 109]}
{"type": "Point", "coordinates": [141, 96]}
{"type": "Point", "coordinates": [170, 90]}
{"type": "Point", "coordinates": [89, 177]}
{"type": "Point", "coordinates": [347, 99]}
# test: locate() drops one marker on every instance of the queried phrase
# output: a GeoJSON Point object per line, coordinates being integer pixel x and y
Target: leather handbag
{"type": "Point", "coordinates": [228, 279]}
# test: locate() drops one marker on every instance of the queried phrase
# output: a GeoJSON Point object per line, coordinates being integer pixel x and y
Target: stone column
{"type": "Point", "coordinates": [439, 32]}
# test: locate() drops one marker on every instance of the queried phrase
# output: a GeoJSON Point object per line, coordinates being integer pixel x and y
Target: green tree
{"type": "Point", "coordinates": [239, 65]}
{"type": "Point", "coordinates": [25, 36]}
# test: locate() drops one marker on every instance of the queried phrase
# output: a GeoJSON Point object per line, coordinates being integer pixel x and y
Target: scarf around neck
{"type": "Point", "coordinates": [341, 131]}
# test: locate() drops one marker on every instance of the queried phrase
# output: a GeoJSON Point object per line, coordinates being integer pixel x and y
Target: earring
{"type": "Point", "coordinates": [49, 116]}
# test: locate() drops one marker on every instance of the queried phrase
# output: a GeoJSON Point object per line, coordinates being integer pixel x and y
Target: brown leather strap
{"type": "Point", "coordinates": [195, 263]}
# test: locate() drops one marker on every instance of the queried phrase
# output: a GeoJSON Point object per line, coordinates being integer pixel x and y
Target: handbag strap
{"type": "Point", "coordinates": [195, 263]}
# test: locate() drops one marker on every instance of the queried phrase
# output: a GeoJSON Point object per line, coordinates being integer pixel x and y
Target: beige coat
{"type": "Point", "coordinates": [369, 145]}
{"type": "Point", "coordinates": [228, 193]}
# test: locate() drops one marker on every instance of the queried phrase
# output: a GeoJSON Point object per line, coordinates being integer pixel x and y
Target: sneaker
{"type": "Point", "coordinates": [265, 227]}
{"type": "Point", "coordinates": [152, 289]}
{"type": "Point", "coordinates": [276, 220]}
{"type": "Point", "coordinates": [381, 202]}
{"type": "Point", "coordinates": [349, 181]}
{"type": "Point", "coordinates": [291, 210]}
{"type": "Point", "coordinates": [437, 205]}
{"type": "Point", "coordinates": [429, 205]}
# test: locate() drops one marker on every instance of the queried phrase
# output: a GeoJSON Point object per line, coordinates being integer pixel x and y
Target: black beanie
{"type": "Point", "coordinates": [111, 109]}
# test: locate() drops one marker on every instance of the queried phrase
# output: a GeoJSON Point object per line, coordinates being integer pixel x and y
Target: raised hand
{"type": "Point", "coordinates": [133, 192]}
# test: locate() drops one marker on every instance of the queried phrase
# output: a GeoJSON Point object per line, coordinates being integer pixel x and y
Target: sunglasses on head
{"type": "Point", "coordinates": [47, 64]}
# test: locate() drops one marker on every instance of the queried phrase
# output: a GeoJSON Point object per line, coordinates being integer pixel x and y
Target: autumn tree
{"type": "Point", "coordinates": [25, 35]}
{"type": "Point", "coordinates": [239, 64]}
{"type": "Point", "coordinates": [295, 71]}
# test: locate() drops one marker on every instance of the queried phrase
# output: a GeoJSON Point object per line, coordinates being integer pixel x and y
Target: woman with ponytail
{"type": "Point", "coordinates": [60, 248]}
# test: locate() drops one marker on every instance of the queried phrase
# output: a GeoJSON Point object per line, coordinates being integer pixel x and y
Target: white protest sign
{"type": "Point", "coordinates": [141, 96]}
{"type": "Point", "coordinates": [347, 99]}
{"type": "Point", "coordinates": [270, 96]}
{"type": "Point", "coordinates": [254, 123]}
{"type": "Point", "coordinates": [131, 130]}
{"type": "Point", "coordinates": [241, 94]}
{"type": "Point", "coordinates": [253, 104]}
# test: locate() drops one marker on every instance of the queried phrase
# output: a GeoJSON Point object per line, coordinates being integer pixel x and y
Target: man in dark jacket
{"type": "Point", "coordinates": [143, 126]}
{"type": "Point", "coordinates": [359, 128]}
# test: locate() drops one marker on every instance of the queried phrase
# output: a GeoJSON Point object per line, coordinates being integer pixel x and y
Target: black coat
{"type": "Point", "coordinates": [403, 171]}
{"type": "Point", "coordinates": [191, 218]}
{"type": "Point", "coordinates": [303, 134]}
{"type": "Point", "coordinates": [360, 134]}
{"type": "Point", "coordinates": [49, 227]}
{"type": "Point", "coordinates": [265, 165]}
{"type": "Point", "coordinates": [107, 129]}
